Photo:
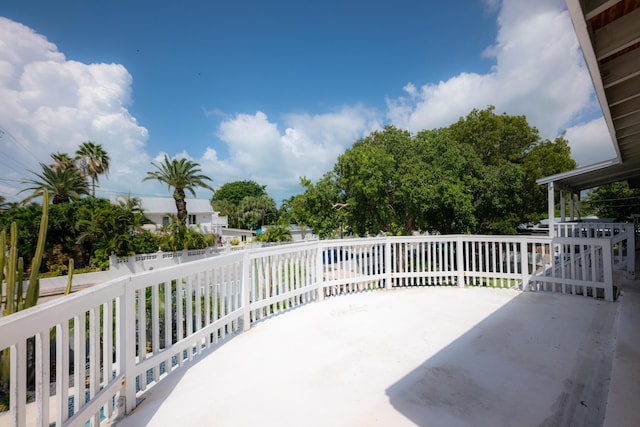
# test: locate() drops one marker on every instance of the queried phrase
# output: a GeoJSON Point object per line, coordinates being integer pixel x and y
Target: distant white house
{"type": "Point", "coordinates": [200, 214]}
{"type": "Point", "coordinates": [239, 234]}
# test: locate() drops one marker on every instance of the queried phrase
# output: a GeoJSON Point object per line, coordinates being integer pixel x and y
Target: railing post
{"type": "Point", "coordinates": [319, 272]}
{"type": "Point", "coordinates": [607, 255]}
{"type": "Point", "coordinates": [388, 263]}
{"type": "Point", "coordinates": [631, 252]}
{"type": "Point", "coordinates": [246, 292]}
{"type": "Point", "coordinates": [126, 324]}
{"type": "Point", "coordinates": [524, 263]}
{"type": "Point", "coordinates": [460, 260]}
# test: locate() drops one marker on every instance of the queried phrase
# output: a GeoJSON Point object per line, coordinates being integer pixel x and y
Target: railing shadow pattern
{"type": "Point", "coordinates": [86, 357]}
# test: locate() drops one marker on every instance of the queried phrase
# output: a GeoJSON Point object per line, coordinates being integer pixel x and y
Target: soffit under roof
{"type": "Point", "coordinates": [609, 34]}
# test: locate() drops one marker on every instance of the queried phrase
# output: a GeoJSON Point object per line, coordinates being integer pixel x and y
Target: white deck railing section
{"type": "Point", "coordinates": [79, 359]}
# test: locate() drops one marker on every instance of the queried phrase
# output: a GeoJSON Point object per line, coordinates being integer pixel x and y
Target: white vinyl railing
{"type": "Point", "coordinates": [86, 357]}
{"type": "Point", "coordinates": [622, 236]}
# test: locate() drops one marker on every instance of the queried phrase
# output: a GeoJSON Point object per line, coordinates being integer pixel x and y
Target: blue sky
{"type": "Point", "coordinates": [272, 91]}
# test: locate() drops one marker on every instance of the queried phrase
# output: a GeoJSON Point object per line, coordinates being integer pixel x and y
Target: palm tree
{"type": "Point", "coordinates": [65, 184]}
{"type": "Point", "coordinates": [62, 161]}
{"type": "Point", "coordinates": [133, 214]}
{"type": "Point", "coordinates": [182, 175]}
{"type": "Point", "coordinates": [94, 161]}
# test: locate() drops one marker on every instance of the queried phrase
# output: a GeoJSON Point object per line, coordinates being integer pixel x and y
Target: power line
{"type": "Point", "coordinates": [4, 131]}
{"type": "Point", "coordinates": [11, 180]}
{"type": "Point", "coordinates": [611, 200]}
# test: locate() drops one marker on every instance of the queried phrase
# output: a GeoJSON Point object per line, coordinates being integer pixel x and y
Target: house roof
{"type": "Point", "coordinates": [162, 205]}
{"type": "Point", "coordinates": [609, 35]}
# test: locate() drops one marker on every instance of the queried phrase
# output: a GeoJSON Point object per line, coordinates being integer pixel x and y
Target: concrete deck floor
{"type": "Point", "coordinates": [406, 357]}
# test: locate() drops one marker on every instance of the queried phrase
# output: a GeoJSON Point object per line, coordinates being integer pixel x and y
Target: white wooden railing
{"type": "Point", "coordinates": [621, 235]}
{"type": "Point", "coordinates": [150, 261]}
{"type": "Point", "coordinates": [85, 357]}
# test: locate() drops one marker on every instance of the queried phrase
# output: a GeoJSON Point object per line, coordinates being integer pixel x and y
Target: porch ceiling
{"type": "Point", "coordinates": [609, 34]}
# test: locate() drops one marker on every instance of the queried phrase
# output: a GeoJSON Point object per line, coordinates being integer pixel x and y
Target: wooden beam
{"type": "Point", "coordinates": [618, 35]}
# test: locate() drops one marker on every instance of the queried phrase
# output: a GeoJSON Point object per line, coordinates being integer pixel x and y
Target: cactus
{"type": "Point", "coordinates": [11, 272]}
{"type": "Point", "coordinates": [12, 266]}
{"type": "Point", "coordinates": [67, 291]}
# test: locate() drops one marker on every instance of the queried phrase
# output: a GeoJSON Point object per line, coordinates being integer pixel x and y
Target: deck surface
{"type": "Point", "coordinates": [417, 356]}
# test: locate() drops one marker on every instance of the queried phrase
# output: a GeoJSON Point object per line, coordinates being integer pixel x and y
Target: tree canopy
{"type": "Point", "coordinates": [615, 200]}
{"type": "Point", "coordinates": [245, 203]}
{"type": "Point", "coordinates": [93, 161]}
{"type": "Point", "coordinates": [63, 184]}
{"type": "Point", "coordinates": [234, 192]}
{"type": "Point", "coordinates": [476, 176]}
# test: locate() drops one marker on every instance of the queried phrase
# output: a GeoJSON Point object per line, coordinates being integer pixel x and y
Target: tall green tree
{"type": "Point", "coordinates": [255, 209]}
{"type": "Point", "coordinates": [228, 198]}
{"type": "Point", "coordinates": [441, 182]}
{"type": "Point", "coordinates": [513, 157]}
{"type": "Point", "coordinates": [367, 174]}
{"type": "Point", "coordinates": [64, 184]}
{"type": "Point", "coordinates": [322, 206]}
{"type": "Point", "coordinates": [62, 161]}
{"type": "Point", "coordinates": [181, 175]}
{"type": "Point", "coordinates": [615, 200]}
{"type": "Point", "coordinates": [93, 161]}
{"type": "Point", "coordinates": [476, 176]}
{"type": "Point", "coordinates": [497, 138]}
{"type": "Point", "coordinates": [235, 191]}
{"type": "Point", "coordinates": [545, 158]}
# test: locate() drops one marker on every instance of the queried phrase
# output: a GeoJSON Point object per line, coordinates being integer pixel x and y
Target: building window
{"type": "Point", "coordinates": [192, 219]}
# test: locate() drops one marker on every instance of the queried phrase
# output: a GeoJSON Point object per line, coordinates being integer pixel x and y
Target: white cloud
{"type": "Point", "coordinates": [539, 72]}
{"type": "Point", "coordinates": [50, 104]}
{"type": "Point", "coordinates": [308, 146]}
{"type": "Point", "coordinates": [590, 142]}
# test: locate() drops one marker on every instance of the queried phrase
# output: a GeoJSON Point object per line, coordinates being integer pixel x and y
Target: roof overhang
{"type": "Point", "coordinates": [594, 175]}
{"type": "Point", "coordinates": [609, 34]}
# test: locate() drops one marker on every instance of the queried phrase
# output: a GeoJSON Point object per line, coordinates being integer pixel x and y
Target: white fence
{"type": "Point", "coordinates": [143, 262]}
{"type": "Point", "coordinates": [86, 357]}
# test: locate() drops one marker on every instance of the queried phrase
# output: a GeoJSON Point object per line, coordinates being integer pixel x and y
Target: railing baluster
{"type": "Point", "coordinates": [142, 333]}
{"type": "Point", "coordinates": [42, 377]}
{"type": "Point", "coordinates": [94, 359]}
{"type": "Point", "coordinates": [155, 327]}
{"type": "Point", "coordinates": [168, 322]}
{"type": "Point", "coordinates": [107, 350]}
{"type": "Point", "coordinates": [79, 362]}
{"type": "Point", "coordinates": [62, 370]}
{"type": "Point", "coordinates": [18, 383]}
{"type": "Point", "coordinates": [197, 281]}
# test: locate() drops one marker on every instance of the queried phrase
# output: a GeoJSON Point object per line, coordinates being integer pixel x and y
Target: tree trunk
{"type": "Point", "coordinates": [181, 206]}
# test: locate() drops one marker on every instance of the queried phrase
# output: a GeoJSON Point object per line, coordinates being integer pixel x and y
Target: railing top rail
{"type": "Point", "coordinates": [583, 240]}
{"type": "Point", "coordinates": [281, 249]}
{"type": "Point", "coordinates": [368, 241]}
{"type": "Point", "coordinates": [178, 271]}
{"type": "Point", "coordinates": [510, 239]}
{"type": "Point", "coordinates": [26, 323]}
